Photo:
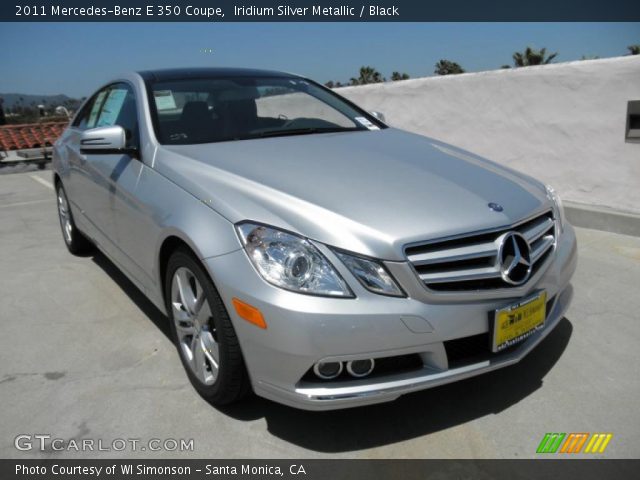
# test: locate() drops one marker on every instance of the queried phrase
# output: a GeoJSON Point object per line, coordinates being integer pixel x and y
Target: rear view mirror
{"type": "Point", "coordinates": [105, 140]}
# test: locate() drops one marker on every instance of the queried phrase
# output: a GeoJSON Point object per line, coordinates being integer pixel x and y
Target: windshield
{"type": "Point", "coordinates": [210, 110]}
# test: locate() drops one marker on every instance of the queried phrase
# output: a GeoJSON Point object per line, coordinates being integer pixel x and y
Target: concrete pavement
{"type": "Point", "coordinates": [83, 355]}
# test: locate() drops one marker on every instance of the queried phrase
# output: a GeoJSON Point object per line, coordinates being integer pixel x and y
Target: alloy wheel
{"type": "Point", "coordinates": [195, 329]}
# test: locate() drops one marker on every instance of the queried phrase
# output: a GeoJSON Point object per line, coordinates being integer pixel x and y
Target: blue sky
{"type": "Point", "coordinates": [74, 58]}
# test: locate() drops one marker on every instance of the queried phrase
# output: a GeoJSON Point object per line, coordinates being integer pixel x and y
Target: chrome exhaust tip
{"type": "Point", "coordinates": [327, 370]}
{"type": "Point", "coordinates": [360, 368]}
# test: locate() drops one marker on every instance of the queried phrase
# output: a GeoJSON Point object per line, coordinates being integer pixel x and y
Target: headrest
{"type": "Point", "coordinates": [195, 109]}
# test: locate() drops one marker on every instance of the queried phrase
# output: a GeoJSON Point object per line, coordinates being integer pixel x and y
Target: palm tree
{"type": "Point", "coordinates": [634, 49]}
{"type": "Point", "coordinates": [447, 67]}
{"type": "Point", "coordinates": [367, 75]}
{"type": "Point", "coordinates": [395, 76]}
{"type": "Point", "coordinates": [533, 57]}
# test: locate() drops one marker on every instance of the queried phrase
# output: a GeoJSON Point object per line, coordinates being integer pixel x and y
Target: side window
{"type": "Point", "coordinates": [119, 108]}
{"type": "Point", "coordinates": [89, 115]}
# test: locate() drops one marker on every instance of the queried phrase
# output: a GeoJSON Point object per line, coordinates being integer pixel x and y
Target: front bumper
{"type": "Point", "coordinates": [303, 330]}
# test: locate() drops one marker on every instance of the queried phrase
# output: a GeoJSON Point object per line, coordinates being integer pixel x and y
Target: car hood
{"type": "Point", "coordinates": [369, 192]}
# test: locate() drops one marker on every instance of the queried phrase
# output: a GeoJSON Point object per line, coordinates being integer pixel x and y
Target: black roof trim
{"type": "Point", "coordinates": [185, 73]}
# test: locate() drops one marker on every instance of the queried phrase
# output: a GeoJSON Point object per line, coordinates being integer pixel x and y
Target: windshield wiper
{"type": "Point", "coordinates": [281, 133]}
{"type": "Point", "coordinates": [301, 131]}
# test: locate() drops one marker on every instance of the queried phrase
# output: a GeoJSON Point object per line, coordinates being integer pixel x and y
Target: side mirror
{"type": "Point", "coordinates": [106, 140]}
{"type": "Point", "coordinates": [379, 116]}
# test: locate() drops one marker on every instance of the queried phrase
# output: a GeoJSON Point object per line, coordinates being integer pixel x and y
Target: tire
{"type": "Point", "coordinates": [202, 332]}
{"type": "Point", "coordinates": [75, 241]}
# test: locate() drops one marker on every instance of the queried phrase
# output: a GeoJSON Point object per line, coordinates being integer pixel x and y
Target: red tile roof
{"type": "Point", "coordinates": [34, 135]}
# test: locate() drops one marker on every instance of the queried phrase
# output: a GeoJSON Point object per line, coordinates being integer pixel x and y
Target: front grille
{"type": "Point", "coordinates": [468, 350]}
{"type": "Point", "coordinates": [470, 262]}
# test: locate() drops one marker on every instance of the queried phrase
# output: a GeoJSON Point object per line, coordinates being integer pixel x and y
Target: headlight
{"type": "Point", "coordinates": [557, 205]}
{"type": "Point", "coordinates": [291, 262]}
{"type": "Point", "coordinates": [371, 274]}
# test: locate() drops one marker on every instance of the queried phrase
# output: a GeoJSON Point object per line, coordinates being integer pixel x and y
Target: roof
{"type": "Point", "coordinates": [219, 72]}
{"type": "Point", "coordinates": [33, 135]}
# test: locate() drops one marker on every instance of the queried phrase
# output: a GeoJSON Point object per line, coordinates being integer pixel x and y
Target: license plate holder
{"type": "Point", "coordinates": [514, 323]}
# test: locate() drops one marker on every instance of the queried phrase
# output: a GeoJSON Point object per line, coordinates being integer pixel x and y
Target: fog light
{"type": "Point", "coordinates": [327, 370]}
{"type": "Point", "coordinates": [360, 368]}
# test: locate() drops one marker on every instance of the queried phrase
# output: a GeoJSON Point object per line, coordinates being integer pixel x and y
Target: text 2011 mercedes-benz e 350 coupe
{"type": "Point", "coordinates": [301, 247]}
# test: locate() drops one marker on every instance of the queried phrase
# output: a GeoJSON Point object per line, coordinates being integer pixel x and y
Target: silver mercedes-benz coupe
{"type": "Point", "coordinates": [303, 249]}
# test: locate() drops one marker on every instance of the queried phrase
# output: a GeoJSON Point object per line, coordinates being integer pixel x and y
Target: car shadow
{"type": "Point", "coordinates": [411, 416]}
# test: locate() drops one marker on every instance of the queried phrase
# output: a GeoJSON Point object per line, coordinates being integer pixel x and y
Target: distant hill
{"type": "Point", "coordinates": [13, 99]}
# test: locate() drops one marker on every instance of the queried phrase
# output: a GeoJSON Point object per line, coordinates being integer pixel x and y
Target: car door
{"type": "Point", "coordinates": [101, 171]}
{"type": "Point", "coordinates": [132, 221]}
{"type": "Point", "coordinates": [79, 183]}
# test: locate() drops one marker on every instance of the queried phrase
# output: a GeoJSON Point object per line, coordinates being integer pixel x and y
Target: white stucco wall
{"type": "Point", "coordinates": [562, 123]}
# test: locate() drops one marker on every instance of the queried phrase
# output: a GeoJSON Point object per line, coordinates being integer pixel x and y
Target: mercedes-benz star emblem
{"type": "Point", "coordinates": [514, 258]}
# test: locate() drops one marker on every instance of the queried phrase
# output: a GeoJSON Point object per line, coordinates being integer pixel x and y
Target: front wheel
{"type": "Point", "coordinates": [203, 333]}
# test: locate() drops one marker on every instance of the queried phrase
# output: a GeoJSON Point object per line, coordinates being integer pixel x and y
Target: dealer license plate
{"type": "Point", "coordinates": [514, 323]}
